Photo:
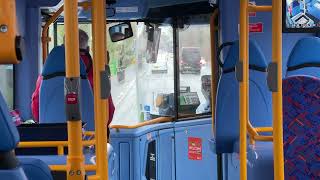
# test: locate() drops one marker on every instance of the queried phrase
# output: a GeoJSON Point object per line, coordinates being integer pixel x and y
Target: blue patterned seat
{"type": "Point", "coordinates": [301, 127]}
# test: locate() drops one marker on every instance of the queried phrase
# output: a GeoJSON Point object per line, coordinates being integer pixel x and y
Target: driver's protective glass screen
{"type": "Point", "coordinates": [195, 71]}
{"type": "Point", "coordinates": [302, 14]}
{"type": "Point", "coordinates": [142, 71]}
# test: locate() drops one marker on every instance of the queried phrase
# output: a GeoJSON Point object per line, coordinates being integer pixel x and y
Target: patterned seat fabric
{"type": "Point", "coordinates": [301, 127]}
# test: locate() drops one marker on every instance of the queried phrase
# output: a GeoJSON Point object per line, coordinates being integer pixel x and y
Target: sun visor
{"type": "Point", "coordinates": [176, 8]}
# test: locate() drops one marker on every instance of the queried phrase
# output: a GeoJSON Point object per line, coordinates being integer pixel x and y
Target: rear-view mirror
{"type": "Point", "coordinates": [120, 32]}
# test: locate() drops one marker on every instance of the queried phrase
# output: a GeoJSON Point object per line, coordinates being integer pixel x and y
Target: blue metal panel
{"type": "Point", "coordinates": [194, 169]}
{"type": "Point", "coordinates": [125, 9]}
{"type": "Point", "coordinates": [135, 149]}
{"type": "Point", "coordinates": [27, 71]}
{"type": "Point", "coordinates": [204, 121]}
{"type": "Point", "coordinates": [117, 144]}
{"type": "Point", "coordinates": [124, 160]}
{"type": "Point", "coordinates": [166, 155]}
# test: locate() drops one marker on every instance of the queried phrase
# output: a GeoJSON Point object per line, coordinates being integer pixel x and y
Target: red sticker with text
{"type": "Point", "coordinates": [194, 148]}
{"type": "Point", "coordinates": [256, 27]}
{"type": "Point", "coordinates": [72, 98]}
{"type": "Point", "coordinates": [252, 14]}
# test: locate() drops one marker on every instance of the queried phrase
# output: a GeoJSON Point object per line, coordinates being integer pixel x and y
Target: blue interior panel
{"type": "Point", "coordinates": [29, 26]}
{"type": "Point", "coordinates": [170, 151]}
{"type": "Point", "coordinates": [187, 168]}
{"type": "Point", "coordinates": [166, 156]}
{"type": "Point", "coordinates": [124, 159]}
{"type": "Point", "coordinates": [259, 163]}
{"type": "Point", "coordinates": [134, 143]}
{"type": "Point", "coordinates": [231, 169]}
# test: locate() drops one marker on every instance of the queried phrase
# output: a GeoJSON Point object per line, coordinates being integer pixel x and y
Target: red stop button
{"type": "Point", "coordinates": [72, 98]}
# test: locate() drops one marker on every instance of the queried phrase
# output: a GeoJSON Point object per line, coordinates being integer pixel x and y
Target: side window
{"type": "Point", "coordinates": [6, 84]}
{"type": "Point", "coordinates": [195, 71]}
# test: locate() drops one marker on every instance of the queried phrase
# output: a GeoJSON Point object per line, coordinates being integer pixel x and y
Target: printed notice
{"type": "Point", "coordinates": [195, 148]}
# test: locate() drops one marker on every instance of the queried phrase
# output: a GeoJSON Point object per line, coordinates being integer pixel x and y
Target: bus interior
{"type": "Point", "coordinates": [202, 89]}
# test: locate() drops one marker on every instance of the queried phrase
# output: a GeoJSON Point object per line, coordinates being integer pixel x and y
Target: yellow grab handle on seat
{"type": "Point", "coordinates": [10, 43]}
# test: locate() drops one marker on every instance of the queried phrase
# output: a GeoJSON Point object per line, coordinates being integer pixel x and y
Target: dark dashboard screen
{"type": "Point", "coordinates": [301, 15]}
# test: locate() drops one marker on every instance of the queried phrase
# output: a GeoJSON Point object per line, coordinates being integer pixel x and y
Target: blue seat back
{"type": "Point", "coordinates": [9, 137]}
{"type": "Point", "coordinates": [301, 124]}
{"type": "Point", "coordinates": [227, 105]}
{"type": "Point", "coordinates": [52, 105]}
{"type": "Point", "coordinates": [35, 169]}
{"type": "Point", "coordinates": [304, 58]}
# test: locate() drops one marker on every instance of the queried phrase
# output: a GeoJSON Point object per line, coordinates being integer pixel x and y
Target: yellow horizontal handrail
{"type": "Point", "coordinates": [45, 144]}
{"type": "Point", "coordinates": [254, 133]}
{"type": "Point", "coordinates": [154, 121]}
{"type": "Point", "coordinates": [254, 8]}
{"type": "Point", "coordinates": [39, 144]}
{"type": "Point", "coordinates": [264, 129]}
{"type": "Point", "coordinates": [263, 138]}
{"type": "Point", "coordinates": [89, 167]}
{"type": "Point", "coordinates": [89, 133]}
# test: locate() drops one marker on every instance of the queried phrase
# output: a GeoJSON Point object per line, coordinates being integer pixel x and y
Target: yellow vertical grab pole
{"type": "Point", "coordinates": [214, 65]}
{"type": "Point", "coordinates": [10, 50]}
{"type": "Point", "coordinates": [75, 160]}
{"type": "Point", "coordinates": [101, 112]}
{"type": "Point", "coordinates": [277, 95]}
{"type": "Point", "coordinates": [243, 68]}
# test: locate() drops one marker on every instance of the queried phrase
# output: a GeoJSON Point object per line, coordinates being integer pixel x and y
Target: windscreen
{"type": "Point", "coordinates": [302, 15]}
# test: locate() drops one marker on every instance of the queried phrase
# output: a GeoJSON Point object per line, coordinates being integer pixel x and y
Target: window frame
{"type": "Point", "coordinates": [175, 22]}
